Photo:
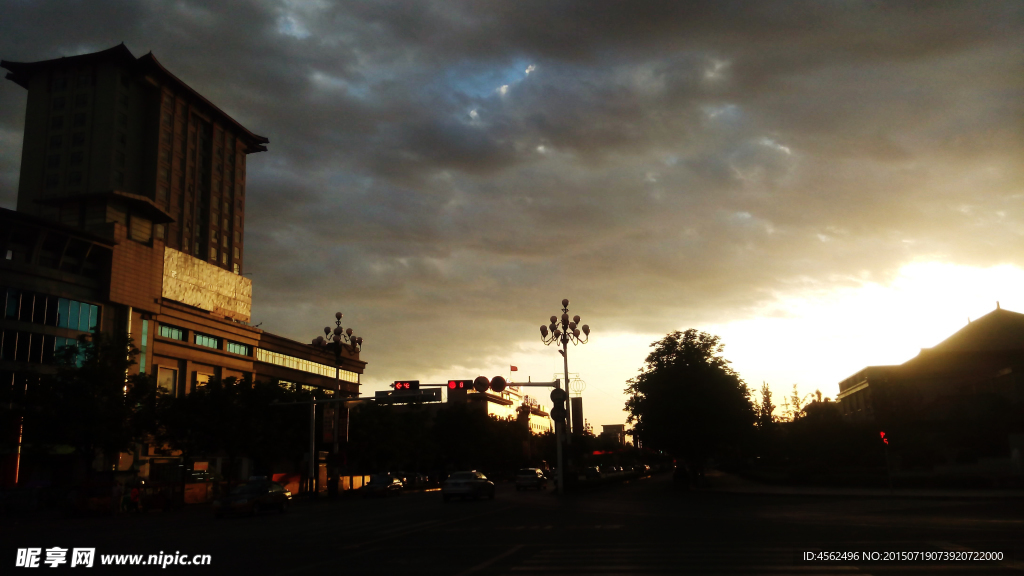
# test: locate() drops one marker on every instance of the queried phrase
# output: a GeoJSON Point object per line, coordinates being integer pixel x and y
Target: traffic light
{"type": "Point", "coordinates": [558, 397]}
{"type": "Point", "coordinates": [498, 383]}
{"type": "Point", "coordinates": [460, 384]}
{"type": "Point", "coordinates": [406, 385]}
{"type": "Point", "coordinates": [481, 384]}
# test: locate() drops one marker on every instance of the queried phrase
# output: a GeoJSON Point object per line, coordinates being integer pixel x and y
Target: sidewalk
{"type": "Point", "coordinates": [731, 483]}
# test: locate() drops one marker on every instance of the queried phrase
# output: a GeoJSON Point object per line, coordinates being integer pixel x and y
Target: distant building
{"type": "Point", "coordinates": [615, 432]}
{"type": "Point", "coordinates": [131, 218]}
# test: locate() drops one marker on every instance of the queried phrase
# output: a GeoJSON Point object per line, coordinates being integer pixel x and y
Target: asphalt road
{"type": "Point", "coordinates": [643, 527]}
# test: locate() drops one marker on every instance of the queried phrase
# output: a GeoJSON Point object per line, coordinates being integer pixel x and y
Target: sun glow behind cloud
{"type": "Point", "coordinates": [820, 336]}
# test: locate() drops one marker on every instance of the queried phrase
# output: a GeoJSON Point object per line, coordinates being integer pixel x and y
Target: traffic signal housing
{"type": "Point", "coordinates": [460, 384]}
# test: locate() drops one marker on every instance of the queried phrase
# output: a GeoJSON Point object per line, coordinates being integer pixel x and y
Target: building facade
{"type": "Point", "coordinates": [130, 219]}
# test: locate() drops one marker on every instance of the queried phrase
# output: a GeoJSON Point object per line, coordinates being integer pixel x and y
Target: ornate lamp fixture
{"type": "Point", "coordinates": [339, 338]}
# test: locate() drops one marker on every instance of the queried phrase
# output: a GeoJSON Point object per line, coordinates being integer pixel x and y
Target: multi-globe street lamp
{"type": "Point", "coordinates": [342, 338]}
{"type": "Point", "coordinates": [562, 331]}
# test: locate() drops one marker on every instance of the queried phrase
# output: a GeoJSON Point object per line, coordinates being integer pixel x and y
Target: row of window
{"type": "Point", "coordinates": [304, 365]}
{"type": "Point", "coordinates": [49, 310]}
{"type": "Point", "coordinates": [34, 348]}
{"type": "Point", "coordinates": [206, 340]}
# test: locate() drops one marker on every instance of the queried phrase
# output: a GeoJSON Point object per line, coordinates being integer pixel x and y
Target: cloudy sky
{"type": "Point", "coordinates": [825, 185]}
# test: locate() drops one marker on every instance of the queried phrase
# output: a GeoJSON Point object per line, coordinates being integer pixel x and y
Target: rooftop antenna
{"type": "Point", "coordinates": [997, 305]}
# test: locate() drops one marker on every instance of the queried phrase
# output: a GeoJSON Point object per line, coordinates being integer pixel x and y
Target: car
{"type": "Point", "coordinates": [253, 498]}
{"type": "Point", "coordinates": [467, 484]}
{"type": "Point", "coordinates": [381, 485]}
{"type": "Point", "coordinates": [531, 478]}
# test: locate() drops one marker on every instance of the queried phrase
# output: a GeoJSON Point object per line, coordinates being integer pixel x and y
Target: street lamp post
{"type": "Point", "coordinates": [337, 340]}
{"type": "Point", "coordinates": [563, 330]}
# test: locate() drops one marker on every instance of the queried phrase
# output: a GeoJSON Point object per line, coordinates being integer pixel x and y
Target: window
{"type": "Point", "coordinates": [79, 120]}
{"type": "Point", "coordinates": [142, 347]}
{"type": "Point", "coordinates": [237, 253]}
{"type": "Point", "coordinates": [75, 178]}
{"type": "Point", "coordinates": [60, 83]}
{"type": "Point", "coordinates": [57, 122]}
{"type": "Point", "coordinates": [56, 140]}
{"type": "Point", "coordinates": [263, 355]}
{"type": "Point", "coordinates": [52, 180]}
{"type": "Point", "coordinates": [167, 380]}
{"type": "Point", "coordinates": [53, 161]}
{"type": "Point", "coordinates": [172, 332]}
{"type": "Point", "coordinates": [158, 231]}
{"type": "Point", "coordinates": [81, 101]}
{"type": "Point", "coordinates": [208, 341]}
{"type": "Point", "coordinates": [202, 379]}
{"type": "Point", "coordinates": [77, 315]}
{"type": "Point", "coordinates": [78, 139]}
{"type": "Point", "coordinates": [237, 348]}
{"type": "Point", "coordinates": [236, 268]}
{"type": "Point", "coordinates": [58, 103]}
{"type": "Point", "coordinates": [238, 236]}
{"type": "Point", "coordinates": [223, 257]}
{"type": "Point", "coordinates": [213, 253]}
{"type": "Point", "coordinates": [76, 158]}
{"type": "Point", "coordinates": [161, 193]}
{"type": "Point", "coordinates": [118, 178]}
{"type": "Point", "coordinates": [122, 138]}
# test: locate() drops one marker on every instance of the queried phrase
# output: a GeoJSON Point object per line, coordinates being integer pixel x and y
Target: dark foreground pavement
{"type": "Point", "coordinates": [644, 527]}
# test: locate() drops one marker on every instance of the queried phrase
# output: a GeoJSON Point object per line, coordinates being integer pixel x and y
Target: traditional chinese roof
{"type": "Point", "coordinates": [21, 72]}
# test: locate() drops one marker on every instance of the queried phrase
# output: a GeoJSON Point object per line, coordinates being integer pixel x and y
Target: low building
{"type": "Point", "coordinates": [960, 402]}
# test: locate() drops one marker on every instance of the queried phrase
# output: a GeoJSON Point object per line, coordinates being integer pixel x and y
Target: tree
{"type": "Point", "coordinates": [234, 418]}
{"type": "Point", "coordinates": [687, 400]}
{"type": "Point", "coordinates": [89, 404]}
{"type": "Point", "coordinates": [765, 408]}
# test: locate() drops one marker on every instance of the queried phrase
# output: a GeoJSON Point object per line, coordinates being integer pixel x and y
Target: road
{"type": "Point", "coordinates": [643, 527]}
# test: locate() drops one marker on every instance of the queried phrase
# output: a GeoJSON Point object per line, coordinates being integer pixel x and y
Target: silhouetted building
{"type": "Point", "coordinates": [130, 219]}
{"type": "Point", "coordinates": [960, 401]}
{"type": "Point", "coordinates": [615, 432]}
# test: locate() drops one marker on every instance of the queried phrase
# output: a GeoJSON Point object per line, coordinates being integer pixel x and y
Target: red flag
{"type": "Point", "coordinates": [514, 369]}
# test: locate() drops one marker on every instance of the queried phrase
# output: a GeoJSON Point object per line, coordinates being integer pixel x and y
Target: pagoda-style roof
{"type": "Point", "coordinates": [21, 72]}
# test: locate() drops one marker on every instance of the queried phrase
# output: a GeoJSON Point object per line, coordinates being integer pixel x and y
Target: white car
{"type": "Point", "coordinates": [467, 484]}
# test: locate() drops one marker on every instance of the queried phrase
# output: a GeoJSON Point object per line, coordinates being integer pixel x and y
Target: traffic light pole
{"type": "Point", "coordinates": [312, 402]}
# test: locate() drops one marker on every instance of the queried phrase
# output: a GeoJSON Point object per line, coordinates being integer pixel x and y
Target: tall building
{"type": "Point", "coordinates": [130, 218]}
{"type": "Point", "coordinates": [113, 138]}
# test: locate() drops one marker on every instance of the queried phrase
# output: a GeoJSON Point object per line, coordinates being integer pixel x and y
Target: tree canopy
{"type": "Point", "coordinates": [687, 400]}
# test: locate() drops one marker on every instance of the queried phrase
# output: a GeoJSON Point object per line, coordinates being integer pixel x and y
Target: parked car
{"type": "Point", "coordinates": [253, 498]}
{"type": "Point", "coordinates": [531, 478]}
{"type": "Point", "coordinates": [467, 484]}
{"type": "Point", "coordinates": [382, 485]}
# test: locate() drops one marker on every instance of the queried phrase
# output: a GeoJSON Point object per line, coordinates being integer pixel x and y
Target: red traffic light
{"type": "Point", "coordinates": [460, 384]}
{"type": "Point", "coordinates": [498, 383]}
{"type": "Point", "coordinates": [406, 385]}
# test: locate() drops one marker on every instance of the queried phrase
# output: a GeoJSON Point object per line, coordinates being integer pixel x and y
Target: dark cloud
{"type": "Point", "coordinates": [445, 172]}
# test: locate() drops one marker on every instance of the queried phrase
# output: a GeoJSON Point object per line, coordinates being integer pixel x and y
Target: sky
{"type": "Point", "coordinates": [824, 185]}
